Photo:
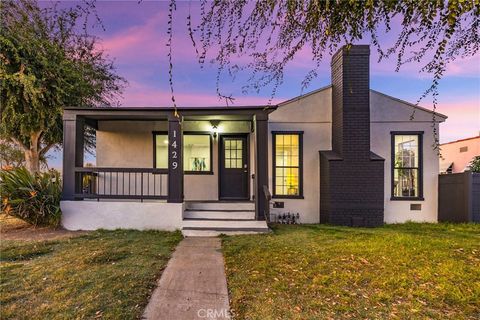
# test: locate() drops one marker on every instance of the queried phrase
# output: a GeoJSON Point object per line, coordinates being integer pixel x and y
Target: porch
{"type": "Point", "coordinates": [233, 174]}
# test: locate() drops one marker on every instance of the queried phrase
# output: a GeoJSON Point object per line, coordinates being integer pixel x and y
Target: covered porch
{"type": "Point", "coordinates": [153, 158]}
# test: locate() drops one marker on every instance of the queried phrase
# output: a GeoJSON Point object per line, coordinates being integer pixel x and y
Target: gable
{"type": "Point", "coordinates": [386, 108]}
{"type": "Point", "coordinates": [315, 106]}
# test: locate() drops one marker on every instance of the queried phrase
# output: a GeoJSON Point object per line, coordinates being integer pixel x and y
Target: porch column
{"type": "Point", "coordinates": [175, 160]}
{"type": "Point", "coordinates": [73, 144]}
{"type": "Point", "coordinates": [261, 164]}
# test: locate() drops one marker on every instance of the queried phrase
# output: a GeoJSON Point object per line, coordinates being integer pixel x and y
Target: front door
{"type": "Point", "coordinates": [233, 167]}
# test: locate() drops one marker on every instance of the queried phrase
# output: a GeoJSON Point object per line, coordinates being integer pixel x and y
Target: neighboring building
{"type": "Point", "coordinates": [343, 154]}
{"type": "Point", "coordinates": [457, 155]}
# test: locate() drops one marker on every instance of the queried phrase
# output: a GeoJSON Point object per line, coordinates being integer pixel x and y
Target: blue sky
{"type": "Point", "coordinates": [135, 38]}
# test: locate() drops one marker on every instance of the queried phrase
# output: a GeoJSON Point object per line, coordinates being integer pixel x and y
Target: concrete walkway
{"type": "Point", "coordinates": [194, 285]}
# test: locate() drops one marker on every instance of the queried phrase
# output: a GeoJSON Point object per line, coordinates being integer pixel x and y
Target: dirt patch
{"type": "Point", "coordinates": [12, 228]}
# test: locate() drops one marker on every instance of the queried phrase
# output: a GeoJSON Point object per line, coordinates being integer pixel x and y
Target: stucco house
{"type": "Point", "coordinates": [456, 156]}
{"type": "Point", "coordinates": [343, 154]}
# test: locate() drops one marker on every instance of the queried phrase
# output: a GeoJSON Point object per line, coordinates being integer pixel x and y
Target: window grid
{"type": "Point", "coordinates": [233, 153]}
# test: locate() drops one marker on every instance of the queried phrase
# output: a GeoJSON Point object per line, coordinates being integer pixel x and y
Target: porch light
{"type": "Point", "coordinates": [214, 128]}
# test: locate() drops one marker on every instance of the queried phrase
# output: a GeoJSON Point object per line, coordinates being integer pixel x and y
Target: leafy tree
{"type": "Point", "coordinates": [13, 157]}
{"type": "Point", "coordinates": [273, 32]}
{"type": "Point", "coordinates": [475, 164]}
{"type": "Point", "coordinates": [48, 61]}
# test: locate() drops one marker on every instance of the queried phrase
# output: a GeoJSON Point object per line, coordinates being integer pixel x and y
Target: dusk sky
{"type": "Point", "coordinates": [135, 38]}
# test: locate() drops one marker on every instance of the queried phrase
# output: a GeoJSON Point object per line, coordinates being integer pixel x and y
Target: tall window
{"type": "Point", "coordinates": [197, 152]}
{"type": "Point", "coordinates": [287, 164]}
{"type": "Point", "coordinates": [407, 165]}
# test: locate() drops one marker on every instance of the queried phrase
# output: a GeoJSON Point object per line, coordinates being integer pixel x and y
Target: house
{"type": "Point", "coordinates": [343, 154]}
{"type": "Point", "coordinates": [457, 155]}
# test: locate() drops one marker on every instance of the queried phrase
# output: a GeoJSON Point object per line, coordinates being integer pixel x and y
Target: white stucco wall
{"type": "Point", "coordinates": [110, 215]}
{"type": "Point", "coordinates": [387, 115]}
{"type": "Point", "coordinates": [312, 115]}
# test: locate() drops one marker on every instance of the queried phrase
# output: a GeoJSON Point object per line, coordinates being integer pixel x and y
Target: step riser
{"type": "Point", "coordinates": [219, 206]}
{"type": "Point", "coordinates": [238, 215]}
{"type": "Point", "coordinates": [215, 224]}
{"type": "Point", "coordinates": [213, 233]}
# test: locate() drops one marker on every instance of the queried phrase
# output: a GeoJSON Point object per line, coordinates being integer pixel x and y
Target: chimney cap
{"type": "Point", "coordinates": [355, 49]}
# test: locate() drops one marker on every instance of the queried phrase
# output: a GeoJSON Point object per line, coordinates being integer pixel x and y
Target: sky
{"type": "Point", "coordinates": [135, 38]}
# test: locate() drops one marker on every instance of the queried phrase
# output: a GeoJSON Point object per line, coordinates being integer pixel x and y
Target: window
{"type": "Point", "coordinates": [233, 153]}
{"type": "Point", "coordinates": [407, 165]}
{"type": "Point", "coordinates": [197, 152]}
{"type": "Point", "coordinates": [287, 164]}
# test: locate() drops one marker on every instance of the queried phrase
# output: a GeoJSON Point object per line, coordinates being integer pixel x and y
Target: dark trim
{"type": "Point", "coordinates": [120, 197]}
{"type": "Point", "coordinates": [300, 165]}
{"type": "Point", "coordinates": [164, 113]}
{"type": "Point", "coordinates": [220, 161]}
{"type": "Point", "coordinates": [171, 110]}
{"type": "Point", "coordinates": [175, 156]}
{"type": "Point", "coordinates": [287, 197]}
{"type": "Point", "coordinates": [420, 165]}
{"type": "Point", "coordinates": [92, 123]}
{"type": "Point", "coordinates": [155, 133]}
{"type": "Point", "coordinates": [407, 198]}
{"type": "Point", "coordinates": [116, 169]}
{"type": "Point", "coordinates": [199, 133]}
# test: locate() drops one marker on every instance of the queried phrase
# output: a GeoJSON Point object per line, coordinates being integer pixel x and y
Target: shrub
{"type": "Point", "coordinates": [34, 198]}
{"type": "Point", "coordinates": [475, 164]}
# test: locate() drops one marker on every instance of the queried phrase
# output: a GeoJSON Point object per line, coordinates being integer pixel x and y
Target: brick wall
{"type": "Point", "coordinates": [351, 176]}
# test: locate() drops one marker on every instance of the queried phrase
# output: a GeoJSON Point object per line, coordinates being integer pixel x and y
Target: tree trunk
{"type": "Point", "coordinates": [32, 151]}
{"type": "Point", "coordinates": [32, 160]}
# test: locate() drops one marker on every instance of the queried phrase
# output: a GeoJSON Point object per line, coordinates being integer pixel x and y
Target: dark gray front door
{"type": "Point", "coordinates": [233, 167]}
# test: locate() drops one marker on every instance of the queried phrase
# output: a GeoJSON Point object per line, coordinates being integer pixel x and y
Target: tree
{"type": "Point", "coordinates": [273, 32]}
{"type": "Point", "coordinates": [474, 165]}
{"type": "Point", "coordinates": [13, 157]}
{"type": "Point", "coordinates": [48, 61]}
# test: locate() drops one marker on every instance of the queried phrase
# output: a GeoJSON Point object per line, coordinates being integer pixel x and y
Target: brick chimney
{"type": "Point", "coordinates": [351, 176]}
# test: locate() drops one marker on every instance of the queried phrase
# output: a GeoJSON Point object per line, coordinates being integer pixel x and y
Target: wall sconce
{"type": "Point", "coordinates": [214, 129]}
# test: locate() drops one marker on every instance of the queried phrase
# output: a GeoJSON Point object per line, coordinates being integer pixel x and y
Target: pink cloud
{"type": "Point", "coordinates": [463, 119]}
{"type": "Point", "coordinates": [146, 42]}
{"type": "Point", "coordinates": [138, 95]}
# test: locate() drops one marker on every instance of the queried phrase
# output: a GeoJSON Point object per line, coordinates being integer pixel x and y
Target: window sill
{"type": "Point", "coordinates": [287, 197]}
{"type": "Point", "coordinates": [205, 173]}
{"type": "Point", "coordinates": [407, 198]}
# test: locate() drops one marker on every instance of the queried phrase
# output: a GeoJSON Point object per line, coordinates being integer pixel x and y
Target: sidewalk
{"type": "Point", "coordinates": [194, 285]}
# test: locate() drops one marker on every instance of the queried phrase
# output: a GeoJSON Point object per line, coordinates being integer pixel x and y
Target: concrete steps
{"type": "Point", "coordinates": [214, 218]}
{"type": "Point", "coordinates": [219, 206]}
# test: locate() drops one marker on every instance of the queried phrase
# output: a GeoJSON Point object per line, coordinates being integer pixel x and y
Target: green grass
{"type": "Point", "coordinates": [107, 274]}
{"type": "Point", "coordinates": [410, 271]}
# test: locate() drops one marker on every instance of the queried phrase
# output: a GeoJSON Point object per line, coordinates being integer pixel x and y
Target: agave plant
{"type": "Point", "coordinates": [34, 198]}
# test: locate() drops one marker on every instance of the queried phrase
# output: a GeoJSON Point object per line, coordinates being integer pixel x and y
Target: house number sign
{"type": "Point", "coordinates": [174, 150]}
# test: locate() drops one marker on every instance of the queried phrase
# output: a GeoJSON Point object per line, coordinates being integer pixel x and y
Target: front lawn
{"type": "Point", "coordinates": [410, 271]}
{"type": "Point", "coordinates": [104, 274]}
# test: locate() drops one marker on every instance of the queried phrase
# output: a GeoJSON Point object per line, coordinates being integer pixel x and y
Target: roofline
{"type": "Point", "coordinates": [460, 140]}
{"type": "Point", "coordinates": [411, 104]}
{"type": "Point", "coordinates": [255, 107]}
{"type": "Point", "coordinates": [304, 95]}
